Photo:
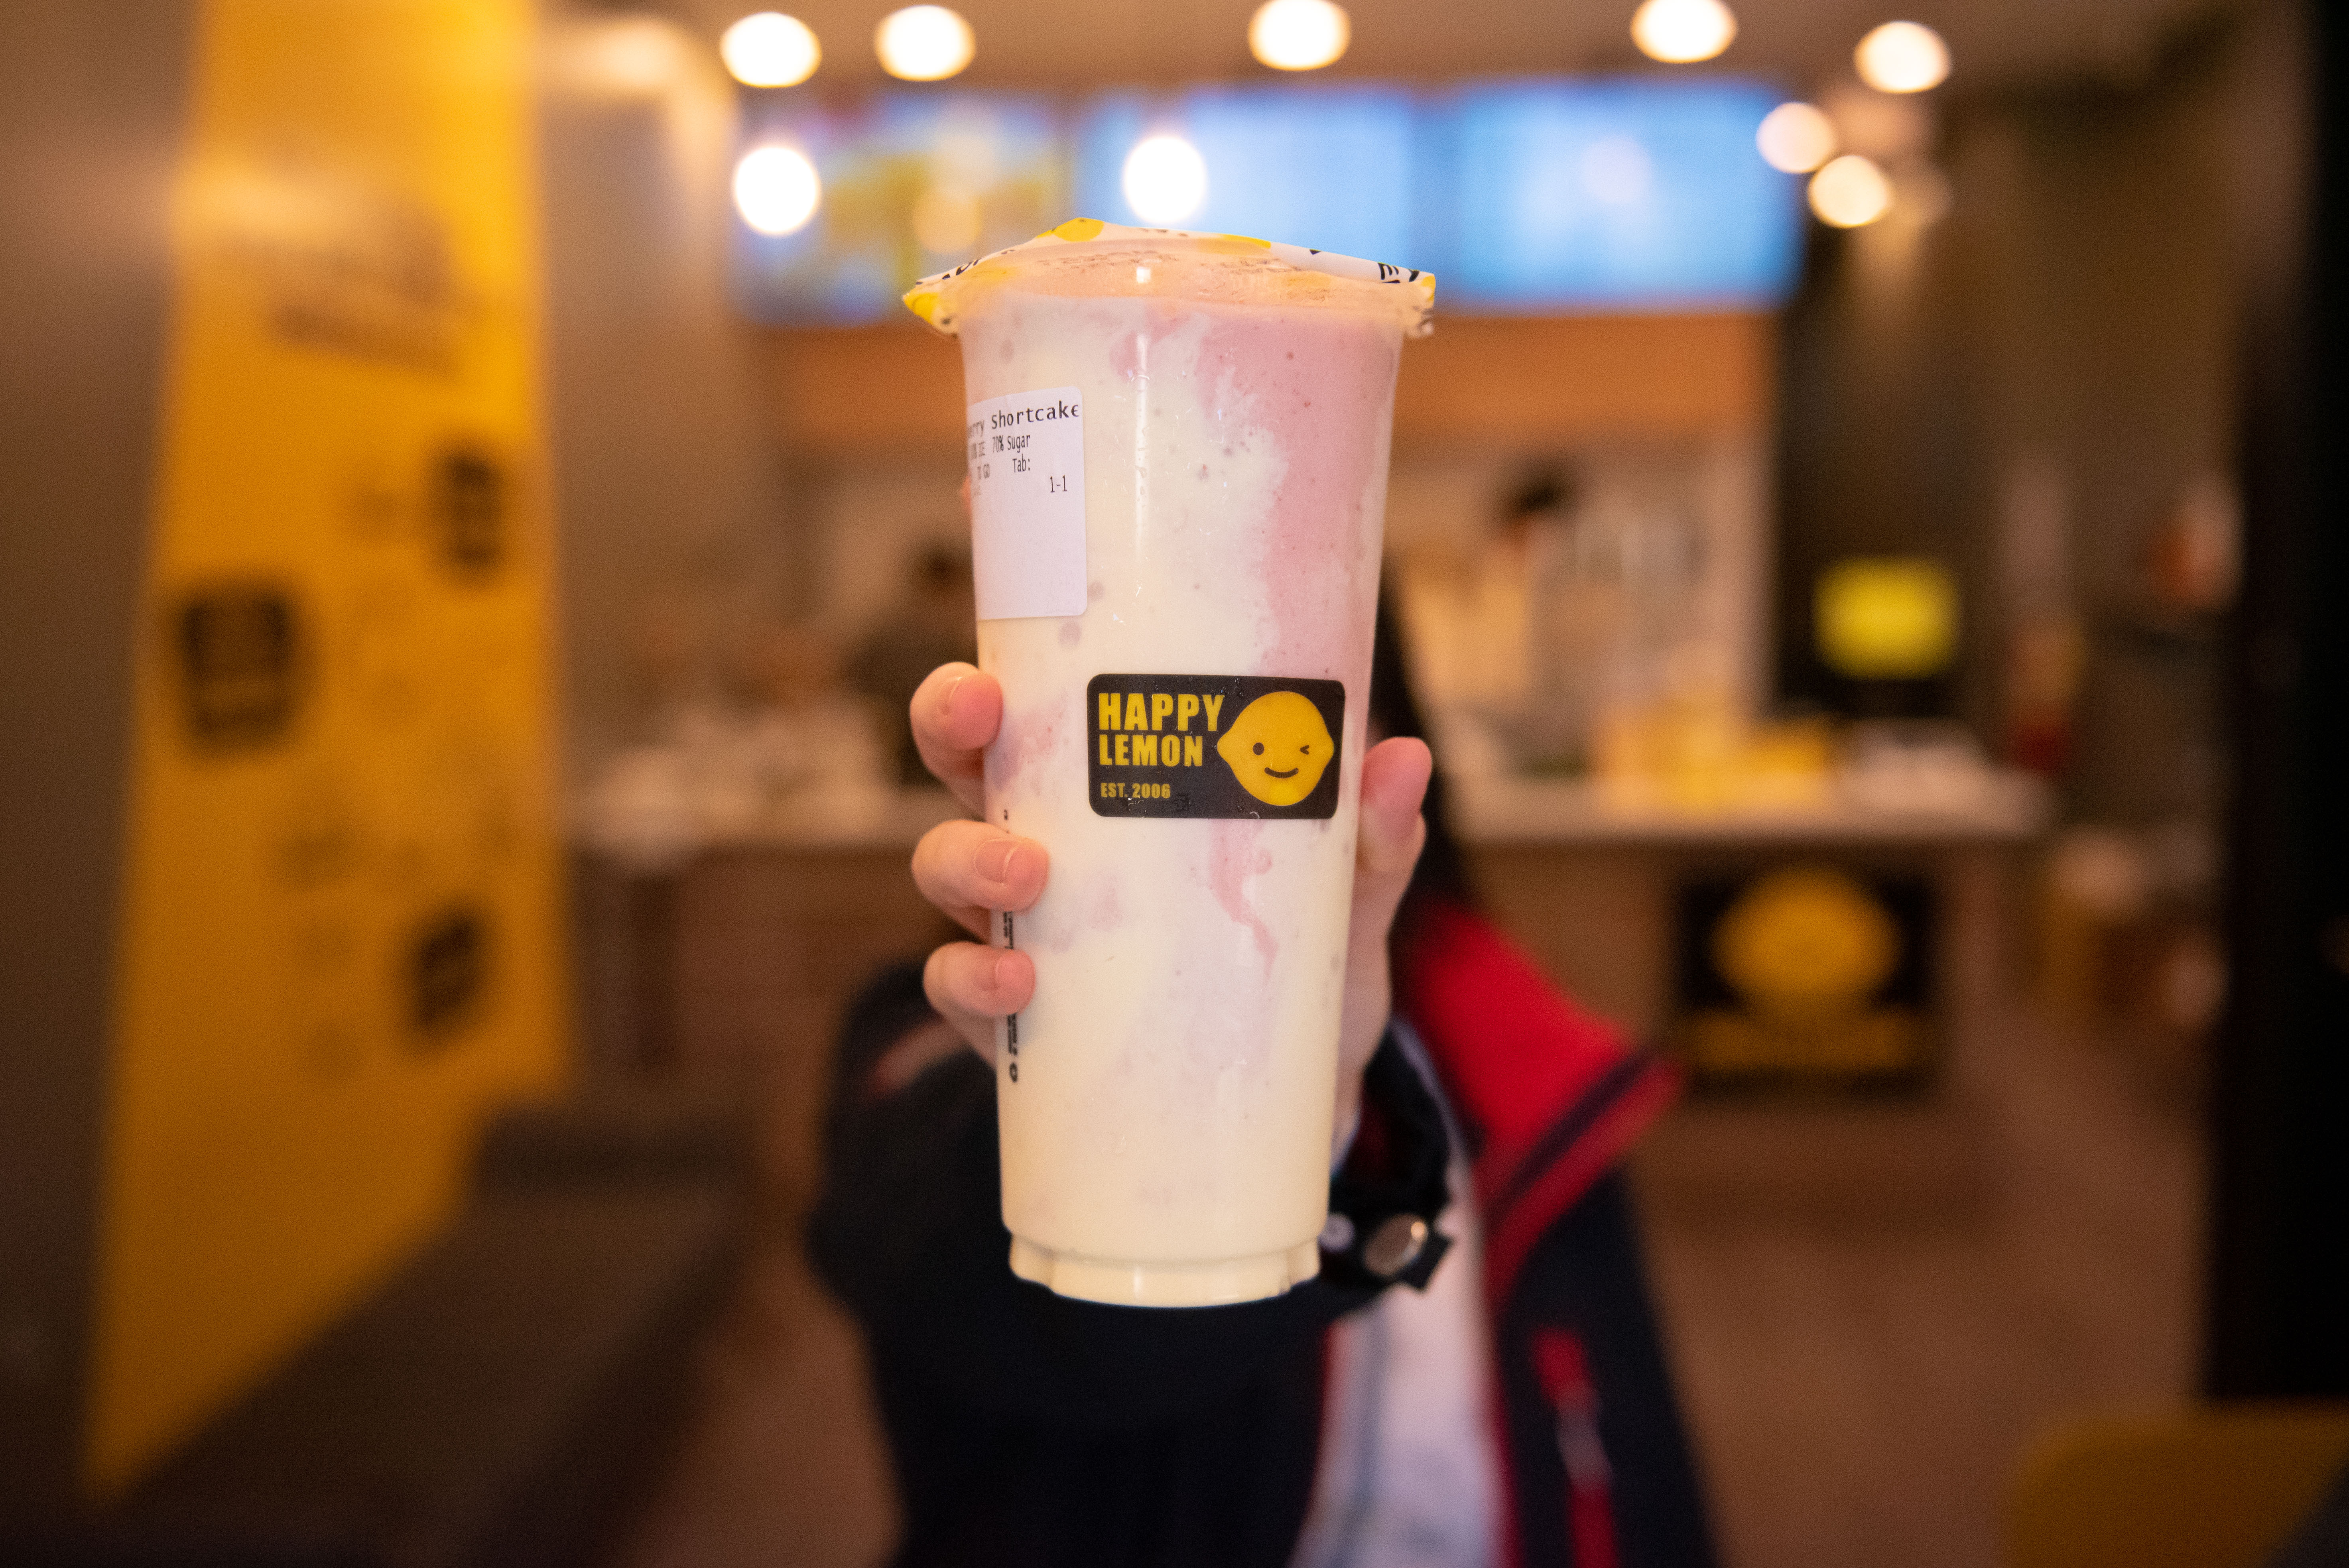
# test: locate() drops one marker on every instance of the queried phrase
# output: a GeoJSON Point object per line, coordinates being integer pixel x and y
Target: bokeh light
{"type": "Point", "coordinates": [776, 190]}
{"type": "Point", "coordinates": [1849, 191]}
{"type": "Point", "coordinates": [1796, 137]}
{"type": "Point", "coordinates": [1165, 180]}
{"type": "Point", "coordinates": [1902, 57]}
{"type": "Point", "coordinates": [924, 43]}
{"type": "Point", "coordinates": [1679, 32]}
{"type": "Point", "coordinates": [1299, 35]}
{"type": "Point", "coordinates": [769, 49]}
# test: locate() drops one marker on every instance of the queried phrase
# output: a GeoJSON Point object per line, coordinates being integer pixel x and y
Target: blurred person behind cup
{"type": "Point", "coordinates": [931, 623]}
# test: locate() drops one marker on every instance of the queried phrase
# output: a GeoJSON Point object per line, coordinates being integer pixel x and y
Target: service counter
{"type": "Point", "coordinates": [1592, 886]}
{"type": "Point", "coordinates": [736, 959]}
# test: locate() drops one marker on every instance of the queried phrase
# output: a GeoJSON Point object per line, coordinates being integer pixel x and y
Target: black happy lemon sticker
{"type": "Point", "coordinates": [1214, 746]}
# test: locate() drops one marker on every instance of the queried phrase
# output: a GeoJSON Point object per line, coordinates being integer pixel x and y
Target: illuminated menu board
{"type": "Point", "coordinates": [911, 183]}
{"type": "Point", "coordinates": [1333, 167]}
{"type": "Point", "coordinates": [1609, 194]}
{"type": "Point", "coordinates": [1532, 195]}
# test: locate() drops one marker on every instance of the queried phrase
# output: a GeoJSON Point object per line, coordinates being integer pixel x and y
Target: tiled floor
{"type": "Point", "coordinates": [1864, 1365]}
{"type": "Point", "coordinates": [1873, 1311]}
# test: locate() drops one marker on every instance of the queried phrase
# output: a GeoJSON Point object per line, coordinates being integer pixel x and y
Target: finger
{"type": "Point", "coordinates": [1386, 848]}
{"type": "Point", "coordinates": [955, 714]}
{"type": "Point", "coordinates": [1395, 786]}
{"type": "Point", "coordinates": [969, 869]}
{"type": "Point", "coordinates": [972, 986]}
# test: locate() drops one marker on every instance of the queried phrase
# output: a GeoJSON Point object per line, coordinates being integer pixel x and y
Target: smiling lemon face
{"type": "Point", "coordinates": [1277, 747]}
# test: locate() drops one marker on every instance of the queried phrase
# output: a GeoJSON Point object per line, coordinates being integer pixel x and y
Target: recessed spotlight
{"type": "Point", "coordinates": [1681, 32]}
{"type": "Point", "coordinates": [1299, 35]}
{"type": "Point", "coordinates": [1902, 57]}
{"type": "Point", "coordinates": [769, 49]}
{"type": "Point", "coordinates": [924, 43]}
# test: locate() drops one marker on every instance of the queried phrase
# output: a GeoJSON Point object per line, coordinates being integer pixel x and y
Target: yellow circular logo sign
{"type": "Point", "coordinates": [1277, 747]}
{"type": "Point", "coordinates": [1805, 943]}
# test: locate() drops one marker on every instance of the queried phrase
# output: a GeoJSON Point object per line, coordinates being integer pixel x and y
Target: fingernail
{"type": "Point", "coordinates": [994, 858]}
{"type": "Point", "coordinates": [998, 978]}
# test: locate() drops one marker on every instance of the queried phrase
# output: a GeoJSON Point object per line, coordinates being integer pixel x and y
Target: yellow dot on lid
{"type": "Point", "coordinates": [1076, 230]}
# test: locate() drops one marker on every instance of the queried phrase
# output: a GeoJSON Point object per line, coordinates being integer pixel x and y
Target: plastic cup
{"type": "Point", "coordinates": [1178, 451]}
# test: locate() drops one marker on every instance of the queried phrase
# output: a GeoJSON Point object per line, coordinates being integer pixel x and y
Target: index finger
{"type": "Point", "coordinates": [955, 714]}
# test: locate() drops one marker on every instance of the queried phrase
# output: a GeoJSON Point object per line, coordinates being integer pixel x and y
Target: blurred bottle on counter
{"type": "Point", "coordinates": [2193, 558]}
{"type": "Point", "coordinates": [2128, 931]}
{"type": "Point", "coordinates": [2046, 649]}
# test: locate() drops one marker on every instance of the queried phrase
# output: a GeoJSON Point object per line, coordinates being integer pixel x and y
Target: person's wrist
{"type": "Point", "coordinates": [1394, 1181]}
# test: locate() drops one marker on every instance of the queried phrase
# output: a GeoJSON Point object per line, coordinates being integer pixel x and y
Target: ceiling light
{"type": "Point", "coordinates": [776, 190]}
{"type": "Point", "coordinates": [1902, 57]}
{"type": "Point", "coordinates": [1678, 32]}
{"type": "Point", "coordinates": [1299, 35]}
{"type": "Point", "coordinates": [922, 43]}
{"type": "Point", "coordinates": [1166, 180]}
{"type": "Point", "coordinates": [1796, 137]}
{"type": "Point", "coordinates": [1850, 191]}
{"type": "Point", "coordinates": [769, 49]}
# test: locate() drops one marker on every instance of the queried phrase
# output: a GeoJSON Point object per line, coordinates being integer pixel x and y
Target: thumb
{"type": "Point", "coordinates": [1395, 784]}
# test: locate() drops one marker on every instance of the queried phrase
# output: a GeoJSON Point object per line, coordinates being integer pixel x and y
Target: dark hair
{"type": "Point", "coordinates": [940, 566]}
{"type": "Point", "coordinates": [1442, 876]}
{"type": "Point", "coordinates": [1541, 491]}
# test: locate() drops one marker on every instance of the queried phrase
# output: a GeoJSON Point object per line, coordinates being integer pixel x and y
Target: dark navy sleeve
{"type": "Point", "coordinates": [908, 1233]}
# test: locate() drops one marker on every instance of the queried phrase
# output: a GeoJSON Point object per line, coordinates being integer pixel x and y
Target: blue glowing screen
{"type": "Point", "coordinates": [1524, 196]}
{"type": "Point", "coordinates": [1330, 168]}
{"type": "Point", "coordinates": [1625, 193]}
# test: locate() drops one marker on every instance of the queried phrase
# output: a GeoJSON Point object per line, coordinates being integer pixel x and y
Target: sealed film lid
{"type": "Point", "coordinates": [941, 298]}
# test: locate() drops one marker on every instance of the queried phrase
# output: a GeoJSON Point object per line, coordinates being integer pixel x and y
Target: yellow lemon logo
{"type": "Point", "coordinates": [1277, 747]}
{"type": "Point", "coordinates": [1807, 943]}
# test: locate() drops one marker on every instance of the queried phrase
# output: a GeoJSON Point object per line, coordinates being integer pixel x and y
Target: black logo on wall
{"type": "Point", "coordinates": [473, 507]}
{"type": "Point", "coordinates": [1806, 971]}
{"type": "Point", "coordinates": [240, 651]}
{"type": "Point", "coordinates": [1214, 746]}
{"type": "Point", "coordinates": [448, 972]}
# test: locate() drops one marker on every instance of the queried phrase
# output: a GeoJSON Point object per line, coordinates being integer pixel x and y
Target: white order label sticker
{"type": "Point", "coordinates": [1027, 454]}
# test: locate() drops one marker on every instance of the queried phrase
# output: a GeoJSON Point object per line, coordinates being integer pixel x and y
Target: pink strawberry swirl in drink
{"type": "Point", "coordinates": [1165, 1098]}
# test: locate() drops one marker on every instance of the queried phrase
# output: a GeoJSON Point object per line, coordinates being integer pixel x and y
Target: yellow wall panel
{"type": "Point", "coordinates": [341, 931]}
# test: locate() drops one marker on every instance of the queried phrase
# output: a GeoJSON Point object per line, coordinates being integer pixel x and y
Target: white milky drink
{"type": "Point", "coordinates": [1178, 458]}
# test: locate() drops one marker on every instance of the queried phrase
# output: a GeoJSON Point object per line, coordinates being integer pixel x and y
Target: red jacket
{"type": "Point", "coordinates": [1551, 1097]}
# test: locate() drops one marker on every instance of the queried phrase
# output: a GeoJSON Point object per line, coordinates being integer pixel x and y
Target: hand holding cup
{"type": "Point", "coordinates": [969, 869]}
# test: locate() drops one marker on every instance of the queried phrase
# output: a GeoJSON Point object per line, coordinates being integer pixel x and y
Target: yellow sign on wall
{"type": "Point", "coordinates": [341, 941]}
{"type": "Point", "coordinates": [1891, 617]}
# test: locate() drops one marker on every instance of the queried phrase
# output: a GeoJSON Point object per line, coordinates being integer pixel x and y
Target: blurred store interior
{"type": "Point", "coordinates": [472, 511]}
